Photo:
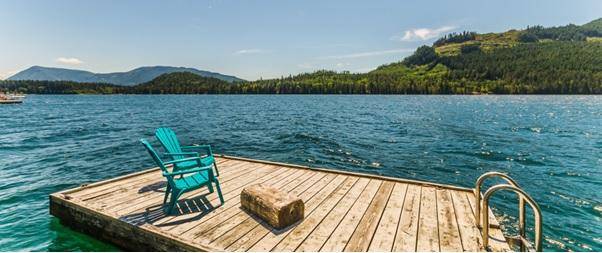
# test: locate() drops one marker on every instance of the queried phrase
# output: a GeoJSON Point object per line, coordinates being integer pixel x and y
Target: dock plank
{"type": "Point", "coordinates": [342, 234]}
{"type": "Point", "coordinates": [318, 237]}
{"type": "Point", "coordinates": [428, 228]}
{"type": "Point", "coordinates": [362, 236]}
{"type": "Point", "coordinates": [343, 212]}
{"type": "Point", "coordinates": [407, 231]}
{"type": "Point", "coordinates": [449, 233]}
{"type": "Point", "coordinates": [387, 227]}
{"type": "Point", "coordinates": [469, 233]}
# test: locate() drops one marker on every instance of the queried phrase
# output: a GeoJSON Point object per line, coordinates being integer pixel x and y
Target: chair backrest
{"type": "Point", "coordinates": [169, 141]}
{"type": "Point", "coordinates": [154, 155]}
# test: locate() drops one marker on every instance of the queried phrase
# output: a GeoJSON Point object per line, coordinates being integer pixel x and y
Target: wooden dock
{"type": "Point", "coordinates": [344, 212]}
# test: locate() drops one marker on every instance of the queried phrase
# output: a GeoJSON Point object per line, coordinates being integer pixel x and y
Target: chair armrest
{"type": "Point", "coordinates": [207, 148]}
{"type": "Point", "coordinates": [184, 160]}
{"type": "Point", "coordinates": [183, 153]}
{"type": "Point", "coordinates": [181, 172]}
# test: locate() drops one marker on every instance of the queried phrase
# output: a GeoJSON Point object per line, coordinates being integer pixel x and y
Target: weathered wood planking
{"type": "Point", "coordinates": [343, 212]}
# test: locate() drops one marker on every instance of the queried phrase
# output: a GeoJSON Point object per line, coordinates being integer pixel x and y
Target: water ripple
{"type": "Point", "coordinates": [550, 144]}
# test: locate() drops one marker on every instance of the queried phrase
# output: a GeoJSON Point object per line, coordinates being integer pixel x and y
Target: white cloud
{"type": "Point", "coordinates": [423, 33]}
{"type": "Point", "coordinates": [69, 61]}
{"type": "Point", "coordinates": [366, 54]}
{"type": "Point", "coordinates": [249, 51]}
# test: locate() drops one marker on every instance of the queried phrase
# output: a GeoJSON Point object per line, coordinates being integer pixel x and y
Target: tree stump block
{"type": "Point", "coordinates": [277, 208]}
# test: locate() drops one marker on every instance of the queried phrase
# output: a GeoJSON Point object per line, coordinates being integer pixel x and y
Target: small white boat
{"type": "Point", "coordinates": [11, 98]}
{"type": "Point", "coordinates": [16, 96]}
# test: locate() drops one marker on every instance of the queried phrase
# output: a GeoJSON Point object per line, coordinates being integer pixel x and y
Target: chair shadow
{"type": "Point", "coordinates": [199, 204]}
{"type": "Point", "coordinates": [156, 187]}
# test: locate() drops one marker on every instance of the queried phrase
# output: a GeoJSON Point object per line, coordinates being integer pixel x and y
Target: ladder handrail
{"type": "Point", "coordinates": [477, 194]}
{"type": "Point", "coordinates": [522, 195]}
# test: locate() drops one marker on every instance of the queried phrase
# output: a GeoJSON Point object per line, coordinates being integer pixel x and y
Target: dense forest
{"type": "Point", "coordinates": [60, 87]}
{"type": "Point", "coordinates": [536, 60]}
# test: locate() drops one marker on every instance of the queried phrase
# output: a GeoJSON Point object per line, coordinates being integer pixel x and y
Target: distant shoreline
{"type": "Point", "coordinates": [253, 94]}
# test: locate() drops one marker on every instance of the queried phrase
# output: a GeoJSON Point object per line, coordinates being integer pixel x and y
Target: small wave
{"type": "Point", "coordinates": [437, 138]}
{"type": "Point", "coordinates": [556, 243]}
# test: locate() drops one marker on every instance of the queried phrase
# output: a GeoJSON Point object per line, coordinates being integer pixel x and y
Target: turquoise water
{"type": "Point", "coordinates": [550, 144]}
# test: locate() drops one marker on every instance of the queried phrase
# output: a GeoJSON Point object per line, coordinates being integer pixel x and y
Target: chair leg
{"type": "Point", "coordinates": [167, 191]}
{"type": "Point", "coordinates": [173, 202]}
{"type": "Point", "coordinates": [219, 191]}
{"type": "Point", "coordinates": [216, 170]}
{"type": "Point", "coordinates": [210, 188]}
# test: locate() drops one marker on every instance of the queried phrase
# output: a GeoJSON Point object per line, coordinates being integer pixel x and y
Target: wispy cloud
{"type": "Point", "coordinates": [69, 61]}
{"type": "Point", "coordinates": [249, 51]}
{"type": "Point", "coordinates": [423, 33]}
{"type": "Point", "coordinates": [366, 54]}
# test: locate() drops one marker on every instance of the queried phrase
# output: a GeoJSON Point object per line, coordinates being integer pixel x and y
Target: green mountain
{"type": "Point", "coordinates": [536, 60]}
{"type": "Point", "coordinates": [594, 25]}
{"type": "Point", "coordinates": [181, 83]}
{"type": "Point", "coordinates": [170, 83]}
{"type": "Point", "coordinates": [129, 78]}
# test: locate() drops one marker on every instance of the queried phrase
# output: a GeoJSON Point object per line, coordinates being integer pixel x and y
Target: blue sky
{"type": "Point", "coordinates": [251, 39]}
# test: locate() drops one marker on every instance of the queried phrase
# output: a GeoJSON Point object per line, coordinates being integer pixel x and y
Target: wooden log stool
{"type": "Point", "coordinates": [277, 208]}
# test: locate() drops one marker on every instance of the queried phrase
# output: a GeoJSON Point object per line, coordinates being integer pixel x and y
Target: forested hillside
{"type": "Point", "coordinates": [536, 60]}
{"type": "Point", "coordinates": [182, 83]}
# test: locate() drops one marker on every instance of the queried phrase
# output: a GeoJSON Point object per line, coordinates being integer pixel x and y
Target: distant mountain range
{"type": "Point", "coordinates": [130, 78]}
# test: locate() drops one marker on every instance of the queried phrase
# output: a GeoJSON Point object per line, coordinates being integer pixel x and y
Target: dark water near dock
{"type": "Point", "coordinates": [552, 145]}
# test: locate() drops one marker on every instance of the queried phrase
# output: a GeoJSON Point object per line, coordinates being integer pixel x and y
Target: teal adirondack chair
{"type": "Point", "coordinates": [170, 143]}
{"type": "Point", "coordinates": [188, 179]}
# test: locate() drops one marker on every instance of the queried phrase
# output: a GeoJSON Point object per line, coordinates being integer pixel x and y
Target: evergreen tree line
{"type": "Point", "coordinates": [558, 67]}
{"type": "Point", "coordinates": [455, 38]}
{"type": "Point", "coordinates": [562, 33]}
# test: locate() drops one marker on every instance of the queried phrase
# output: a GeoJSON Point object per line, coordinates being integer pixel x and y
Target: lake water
{"type": "Point", "coordinates": [551, 145]}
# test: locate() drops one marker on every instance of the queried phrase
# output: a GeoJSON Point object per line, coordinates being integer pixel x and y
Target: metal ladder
{"type": "Point", "coordinates": [483, 220]}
